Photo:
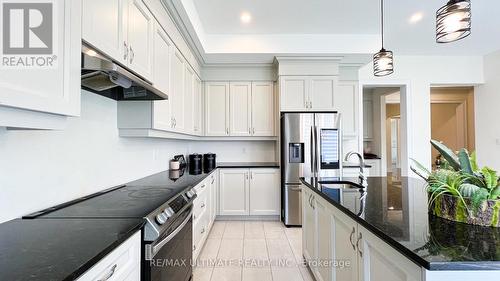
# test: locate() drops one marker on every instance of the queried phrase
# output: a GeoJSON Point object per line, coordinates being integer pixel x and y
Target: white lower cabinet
{"type": "Point", "coordinates": [246, 192]}
{"type": "Point", "coordinates": [123, 264]}
{"type": "Point", "coordinates": [204, 207]}
{"type": "Point", "coordinates": [264, 192]}
{"type": "Point", "coordinates": [330, 236]}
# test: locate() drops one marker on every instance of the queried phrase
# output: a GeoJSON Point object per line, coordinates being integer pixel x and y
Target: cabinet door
{"type": "Point", "coordinates": [264, 192]}
{"type": "Point", "coordinates": [140, 38]}
{"type": "Point", "coordinates": [197, 109]}
{"type": "Point", "coordinates": [322, 92]}
{"type": "Point", "coordinates": [217, 109]}
{"type": "Point", "coordinates": [379, 261]}
{"type": "Point", "coordinates": [177, 90]}
{"type": "Point", "coordinates": [240, 95]}
{"type": "Point", "coordinates": [294, 93]}
{"type": "Point", "coordinates": [324, 239]}
{"type": "Point", "coordinates": [343, 246]}
{"type": "Point", "coordinates": [162, 119]}
{"type": "Point", "coordinates": [51, 89]}
{"type": "Point", "coordinates": [308, 226]}
{"type": "Point", "coordinates": [346, 102]}
{"type": "Point", "coordinates": [188, 99]}
{"type": "Point", "coordinates": [233, 196]}
{"type": "Point", "coordinates": [104, 26]}
{"type": "Point", "coordinates": [262, 109]}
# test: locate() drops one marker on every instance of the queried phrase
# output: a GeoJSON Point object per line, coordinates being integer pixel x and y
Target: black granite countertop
{"type": "Point", "coordinates": [58, 249]}
{"type": "Point", "coordinates": [248, 165]}
{"type": "Point", "coordinates": [396, 211]}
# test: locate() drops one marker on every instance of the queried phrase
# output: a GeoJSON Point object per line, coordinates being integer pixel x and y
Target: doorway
{"type": "Point", "coordinates": [384, 130]}
{"type": "Point", "coordinates": [452, 119]}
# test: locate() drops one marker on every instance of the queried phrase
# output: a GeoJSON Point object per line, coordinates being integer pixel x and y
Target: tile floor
{"type": "Point", "coordinates": [252, 251]}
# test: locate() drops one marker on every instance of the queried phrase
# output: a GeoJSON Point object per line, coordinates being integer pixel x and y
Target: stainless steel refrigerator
{"type": "Point", "coordinates": [311, 145]}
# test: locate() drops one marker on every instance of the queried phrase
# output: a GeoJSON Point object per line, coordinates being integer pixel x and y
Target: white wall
{"type": "Point", "coordinates": [487, 102]}
{"type": "Point", "coordinates": [236, 151]}
{"type": "Point", "coordinates": [418, 73]}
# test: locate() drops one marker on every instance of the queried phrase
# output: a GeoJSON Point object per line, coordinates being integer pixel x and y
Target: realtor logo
{"type": "Point", "coordinates": [28, 34]}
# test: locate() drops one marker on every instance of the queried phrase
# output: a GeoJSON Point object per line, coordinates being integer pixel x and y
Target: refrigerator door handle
{"type": "Point", "coordinates": [312, 151]}
{"type": "Point", "coordinates": [316, 151]}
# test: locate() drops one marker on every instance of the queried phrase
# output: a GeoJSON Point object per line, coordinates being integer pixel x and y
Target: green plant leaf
{"type": "Point", "coordinates": [468, 190]}
{"type": "Point", "coordinates": [473, 162]}
{"type": "Point", "coordinates": [420, 170]}
{"type": "Point", "coordinates": [464, 159]}
{"type": "Point", "coordinates": [479, 197]}
{"type": "Point", "coordinates": [495, 192]}
{"type": "Point", "coordinates": [490, 177]}
{"type": "Point", "coordinates": [447, 154]}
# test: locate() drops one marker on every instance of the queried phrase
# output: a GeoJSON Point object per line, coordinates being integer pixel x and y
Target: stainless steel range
{"type": "Point", "coordinates": [165, 204]}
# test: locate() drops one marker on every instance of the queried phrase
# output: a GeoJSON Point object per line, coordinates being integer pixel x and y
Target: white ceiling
{"type": "Point", "coordinates": [322, 27]}
{"type": "Point", "coordinates": [288, 16]}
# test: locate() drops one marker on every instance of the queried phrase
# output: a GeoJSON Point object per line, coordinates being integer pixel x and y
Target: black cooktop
{"type": "Point", "coordinates": [133, 200]}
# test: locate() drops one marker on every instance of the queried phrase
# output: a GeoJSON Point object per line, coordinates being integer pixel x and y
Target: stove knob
{"type": "Point", "coordinates": [190, 193]}
{"type": "Point", "coordinates": [161, 219]}
{"type": "Point", "coordinates": [169, 212]}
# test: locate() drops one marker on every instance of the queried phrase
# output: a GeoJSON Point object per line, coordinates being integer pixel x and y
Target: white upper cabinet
{"type": "Point", "coordinates": [264, 192]}
{"type": "Point", "coordinates": [240, 95]}
{"type": "Point", "coordinates": [197, 108]}
{"type": "Point", "coordinates": [161, 78]}
{"type": "Point", "coordinates": [346, 102]}
{"type": "Point", "coordinates": [294, 94]}
{"type": "Point", "coordinates": [308, 93]}
{"type": "Point", "coordinates": [177, 90]}
{"type": "Point", "coordinates": [140, 38]}
{"type": "Point", "coordinates": [321, 93]}
{"type": "Point", "coordinates": [217, 109]}
{"type": "Point", "coordinates": [188, 99]}
{"type": "Point", "coordinates": [123, 30]}
{"type": "Point", "coordinates": [104, 25]}
{"type": "Point", "coordinates": [263, 109]}
{"type": "Point", "coordinates": [30, 96]}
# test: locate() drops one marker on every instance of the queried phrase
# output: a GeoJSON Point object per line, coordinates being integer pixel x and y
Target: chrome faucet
{"type": "Point", "coordinates": [361, 165]}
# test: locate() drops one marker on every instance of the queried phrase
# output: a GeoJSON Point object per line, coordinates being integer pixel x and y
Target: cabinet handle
{"type": "Point", "coordinates": [213, 180]}
{"type": "Point", "coordinates": [109, 274]}
{"type": "Point", "coordinates": [313, 201]}
{"type": "Point", "coordinates": [132, 54]}
{"type": "Point", "coordinates": [253, 131]}
{"type": "Point", "coordinates": [125, 51]}
{"type": "Point", "coordinates": [227, 131]}
{"type": "Point", "coordinates": [202, 231]}
{"type": "Point", "coordinates": [350, 239]}
{"type": "Point", "coordinates": [203, 186]}
{"type": "Point", "coordinates": [246, 175]}
{"type": "Point", "coordinates": [357, 244]}
{"type": "Point", "coordinates": [194, 248]}
{"type": "Point", "coordinates": [203, 205]}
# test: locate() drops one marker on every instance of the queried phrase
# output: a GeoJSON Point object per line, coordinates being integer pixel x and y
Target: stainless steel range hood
{"type": "Point", "coordinates": [105, 77]}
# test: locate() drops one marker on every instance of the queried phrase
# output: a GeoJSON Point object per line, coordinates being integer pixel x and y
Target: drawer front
{"type": "Point", "coordinates": [121, 264]}
{"type": "Point", "coordinates": [200, 205]}
{"type": "Point", "coordinates": [200, 232]}
{"type": "Point", "coordinates": [202, 186]}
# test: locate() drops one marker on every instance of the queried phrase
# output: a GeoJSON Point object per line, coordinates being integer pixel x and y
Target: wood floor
{"type": "Point", "coordinates": [252, 251]}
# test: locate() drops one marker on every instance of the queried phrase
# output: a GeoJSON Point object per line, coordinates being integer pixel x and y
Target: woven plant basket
{"type": "Point", "coordinates": [452, 208]}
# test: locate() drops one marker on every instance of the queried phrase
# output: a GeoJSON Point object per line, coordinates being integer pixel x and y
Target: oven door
{"type": "Point", "coordinates": [169, 257]}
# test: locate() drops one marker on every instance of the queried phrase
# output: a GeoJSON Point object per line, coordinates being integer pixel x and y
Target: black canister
{"type": "Point", "coordinates": [195, 164]}
{"type": "Point", "coordinates": [208, 162]}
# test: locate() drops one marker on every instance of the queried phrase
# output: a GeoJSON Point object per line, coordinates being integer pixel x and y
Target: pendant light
{"type": "Point", "coordinates": [383, 61]}
{"type": "Point", "coordinates": [453, 21]}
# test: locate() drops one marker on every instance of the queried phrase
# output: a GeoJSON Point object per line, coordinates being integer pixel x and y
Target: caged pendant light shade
{"type": "Point", "coordinates": [383, 61]}
{"type": "Point", "coordinates": [453, 21]}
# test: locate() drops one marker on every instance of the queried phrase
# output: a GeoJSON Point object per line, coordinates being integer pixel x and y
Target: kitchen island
{"type": "Point", "coordinates": [385, 233]}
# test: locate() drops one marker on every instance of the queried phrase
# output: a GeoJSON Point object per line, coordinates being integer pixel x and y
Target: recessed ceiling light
{"type": "Point", "coordinates": [416, 17]}
{"type": "Point", "coordinates": [245, 17]}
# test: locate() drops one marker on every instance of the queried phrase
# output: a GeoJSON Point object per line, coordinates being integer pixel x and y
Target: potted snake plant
{"type": "Point", "coordinates": [461, 191]}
